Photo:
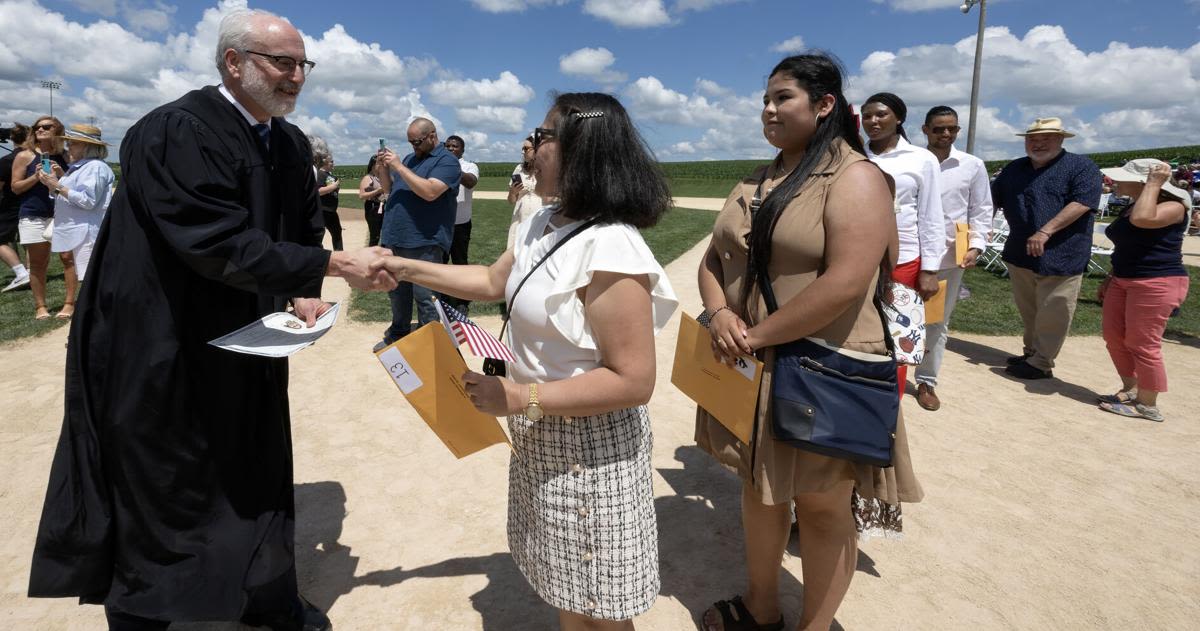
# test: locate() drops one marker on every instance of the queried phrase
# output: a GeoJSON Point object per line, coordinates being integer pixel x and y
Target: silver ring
{"type": "Point", "coordinates": [721, 342]}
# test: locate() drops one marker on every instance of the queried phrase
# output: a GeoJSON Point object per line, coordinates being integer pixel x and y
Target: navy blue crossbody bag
{"type": "Point", "coordinates": [834, 401]}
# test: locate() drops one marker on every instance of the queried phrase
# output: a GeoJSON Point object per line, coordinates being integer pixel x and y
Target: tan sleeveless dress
{"type": "Point", "coordinates": [776, 470]}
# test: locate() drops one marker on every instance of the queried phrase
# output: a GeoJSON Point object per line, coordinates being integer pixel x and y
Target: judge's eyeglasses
{"type": "Point", "coordinates": [285, 63]}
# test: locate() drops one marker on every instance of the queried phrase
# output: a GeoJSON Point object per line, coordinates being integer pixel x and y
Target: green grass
{"type": "Point", "coordinates": [990, 309]}
{"type": "Point", "coordinates": [680, 187]}
{"type": "Point", "coordinates": [678, 231]}
{"type": "Point", "coordinates": [16, 307]}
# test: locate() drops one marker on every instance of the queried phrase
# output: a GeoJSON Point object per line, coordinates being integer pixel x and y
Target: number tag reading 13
{"type": "Point", "coordinates": [400, 370]}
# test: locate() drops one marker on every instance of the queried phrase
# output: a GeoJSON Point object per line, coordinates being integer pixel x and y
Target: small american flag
{"type": "Point", "coordinates": [463, 331]}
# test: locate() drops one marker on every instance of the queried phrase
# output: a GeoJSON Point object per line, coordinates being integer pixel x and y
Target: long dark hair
{"type": "Point", "coordinates": [607, 172]}
{"type": "Point", "coordinates": [818, 74]}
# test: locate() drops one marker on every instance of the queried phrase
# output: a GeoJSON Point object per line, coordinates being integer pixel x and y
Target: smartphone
{"type": "Point", "coordinates": [46, 164]}
{"type": "Point", "coordinates": [516, 179]}
{"type": "Point", "coordinates": [382, 143]}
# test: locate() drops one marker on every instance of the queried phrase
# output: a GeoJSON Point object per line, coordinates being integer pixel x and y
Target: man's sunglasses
{"type": "Point", "coordinates": [541, 135]}
{"type": "Point", "coordinates": [419, 140]}
{"type": "Point", "coordinates": [954, 129]}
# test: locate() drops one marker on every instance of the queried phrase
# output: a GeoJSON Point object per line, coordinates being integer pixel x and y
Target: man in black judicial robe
{"type": "Point", "coordinates": [170, 494]}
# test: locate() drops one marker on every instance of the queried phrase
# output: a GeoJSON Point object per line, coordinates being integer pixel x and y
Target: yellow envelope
{"type": "Point", "coordinates": [962, 242]}
{"type": "Point", "coordinates": [729, 394]}
{"type": "Point", "coordinates": [935, 307]}
{"type": "Point", "coordinates": [428, 370]}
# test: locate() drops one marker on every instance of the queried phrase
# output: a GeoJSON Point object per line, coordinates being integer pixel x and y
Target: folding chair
{"type": "Point", "coordinates": [1102, 207]}
{"type": "Point", "coordinates": [991, 257]}
{"type": "Point", "coordinates": [1095, 264]}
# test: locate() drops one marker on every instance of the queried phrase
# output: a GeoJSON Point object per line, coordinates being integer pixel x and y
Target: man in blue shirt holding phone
{"type": "Point", "coordinates": [419, 220]}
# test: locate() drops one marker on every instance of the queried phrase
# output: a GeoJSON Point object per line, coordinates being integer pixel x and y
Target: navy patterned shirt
{"type": "Point", "coordinates": [1032, 197]}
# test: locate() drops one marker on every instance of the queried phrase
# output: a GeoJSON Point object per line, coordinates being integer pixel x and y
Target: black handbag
{"type": "Point", "coordinates": [834, 401]}
{"type": "Point", "coordinates": [496, 367]}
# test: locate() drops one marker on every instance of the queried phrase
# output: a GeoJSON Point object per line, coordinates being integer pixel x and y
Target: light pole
{"type": "Point", "coordinates": [52, 86]}
{"type": "Point", "coordinates": [966, 8]}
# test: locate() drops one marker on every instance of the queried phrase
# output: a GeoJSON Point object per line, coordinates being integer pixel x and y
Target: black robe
{"type": "Point", "coordinates": [170, 493]}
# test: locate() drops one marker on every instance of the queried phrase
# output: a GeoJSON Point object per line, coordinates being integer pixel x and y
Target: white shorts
{"type": "Point", "coordinates": [31, 229]}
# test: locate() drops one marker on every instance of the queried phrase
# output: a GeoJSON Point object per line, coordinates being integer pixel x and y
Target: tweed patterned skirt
{"type": "Point", "coordinates": [581, 522]}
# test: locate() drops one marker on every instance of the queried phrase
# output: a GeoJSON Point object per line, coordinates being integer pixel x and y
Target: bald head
{"type": "Point", "coordinates": [422, 135]}
{"type": "Point", "coordinates": [421, 125]}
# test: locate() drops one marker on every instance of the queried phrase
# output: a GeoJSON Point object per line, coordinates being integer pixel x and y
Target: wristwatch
{"type": "Point", "coordinates": [533, 409]}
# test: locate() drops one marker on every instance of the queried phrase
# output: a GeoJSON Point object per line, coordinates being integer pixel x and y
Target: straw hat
{"type": "Point", "coordinates": [84, 133]}
{"type": "Point", "coordinates": [1047, 126]}
{"type": "Point", "coordinates": [1138, 170]}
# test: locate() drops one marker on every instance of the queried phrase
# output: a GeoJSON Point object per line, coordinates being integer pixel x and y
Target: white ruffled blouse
{"type": "Point", "coordinates": [548, 331]}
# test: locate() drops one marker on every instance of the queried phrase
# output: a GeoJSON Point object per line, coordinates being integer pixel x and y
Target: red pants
{"type": "Point", "coordinates": [1135, 316]}
{"type": "Point", "coordinates": [905, 274]}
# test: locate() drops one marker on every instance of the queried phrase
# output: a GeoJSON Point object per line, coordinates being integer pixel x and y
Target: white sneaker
{"type": "Point", "coordinates": [17, 282]}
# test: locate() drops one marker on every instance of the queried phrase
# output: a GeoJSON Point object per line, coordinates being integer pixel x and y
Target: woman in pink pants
{"type": "Point", "coordinates": [1147, 283]}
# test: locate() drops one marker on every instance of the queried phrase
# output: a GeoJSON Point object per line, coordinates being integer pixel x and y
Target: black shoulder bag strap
{"type": "Point", "coordinates": [768, 292]}
{"type": "Point", "coordinates": [496, 367]}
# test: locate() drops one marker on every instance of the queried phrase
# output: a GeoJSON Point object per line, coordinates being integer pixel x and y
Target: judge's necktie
{"type": "Point", "coordinates": [264, 135]}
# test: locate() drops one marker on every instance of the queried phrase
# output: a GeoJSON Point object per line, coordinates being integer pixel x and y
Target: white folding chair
{"type": "Point", "coordinates": [1094, 262]}
{"type": "Point", "coordinates": [1102, 207]}
{"type": "Point", "coordinates": [992, 252]}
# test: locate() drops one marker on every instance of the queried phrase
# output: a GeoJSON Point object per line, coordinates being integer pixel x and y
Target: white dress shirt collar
{"type": "Point", "coordinates": [245, 113]}
{"type": "Point", "coordinates": [901, 145]}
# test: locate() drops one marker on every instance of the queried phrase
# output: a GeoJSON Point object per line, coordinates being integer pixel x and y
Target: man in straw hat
{"type": "Point", "coordinates": [170, 494]}
{"type": "Point", "coordinates": [1048, 198]}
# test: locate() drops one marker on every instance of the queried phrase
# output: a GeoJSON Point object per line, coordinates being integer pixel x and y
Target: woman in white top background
{"type": "Point", "coordinates": [581, 521]}
{"type": "Point", "coordinates": [522, 190]}
{"type": "Point", "coordinates": [81, 197]}
{"type": "Point", "coordinates": [919, 219]}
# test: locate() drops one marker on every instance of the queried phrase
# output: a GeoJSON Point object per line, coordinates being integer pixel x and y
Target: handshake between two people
{"type": "Point", "coordinates": [368, 269]}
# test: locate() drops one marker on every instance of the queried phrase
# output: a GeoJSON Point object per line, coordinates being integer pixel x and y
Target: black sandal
{"type": "Point", "coordinates": [735, 617]}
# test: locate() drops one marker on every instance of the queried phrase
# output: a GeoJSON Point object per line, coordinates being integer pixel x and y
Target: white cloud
{"type": "Point", "coordinates": [102, 50]}
{"type": "Point", "coordinates": [154, 19]}
{"type": "Point", "coordinates": [505, 90]}
{"type": "Point", "coordinates": [629, 13]}
{"type": "Point", "coordinates": [591, 63]}
{"type": "Point", "coordinates": [790, 46]}
{"type": "Point", "coordinates": [1040, 74]}
{"type": "Point", "coordinates": [492, 118]}
{"type": "Point", "coordinates": [650, 99]}
{"type": "Point", "coordinates": [107, 8]}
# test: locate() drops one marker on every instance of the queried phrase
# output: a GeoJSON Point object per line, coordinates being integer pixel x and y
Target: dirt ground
{"type": "Point", "coordinates": [1041, 511]}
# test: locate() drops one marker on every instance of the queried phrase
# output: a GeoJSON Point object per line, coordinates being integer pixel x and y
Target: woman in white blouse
{"type": "Point", "coordinates": [81, 197]}
{"type": "Point", "coordinates": [919, 219]}
{"type": "Point", "coordinates": [581, 522]}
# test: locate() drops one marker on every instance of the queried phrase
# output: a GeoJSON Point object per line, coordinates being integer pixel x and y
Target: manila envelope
{"type": "Point", "coordinates": [962, 242]}
{"type": "Point", "coordinates": [935, 307]}
{"type": "Point", "coordinates": [729, 394]}
{"type": "Point", "coordinates": [428, 370]}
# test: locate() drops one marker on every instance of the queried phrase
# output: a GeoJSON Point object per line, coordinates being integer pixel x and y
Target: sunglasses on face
{"type": "Point", "coordinates": [953, 129]}
{"type": "Point", "coordinates": [45, 126]}
{"type": "Point", "coordinates": [418, 141]}
{"type": "Point", "coordinates": [541, 135]}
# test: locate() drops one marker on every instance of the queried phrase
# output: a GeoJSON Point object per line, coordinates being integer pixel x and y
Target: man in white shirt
{"type": "Point", "coordinates": [966, 199]}
{"type": "Point", "coordinates": [462, 219]}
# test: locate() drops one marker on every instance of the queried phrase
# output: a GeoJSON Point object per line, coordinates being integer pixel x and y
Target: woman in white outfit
{"type": "Point", "coordinates": [81, 196]}
{"type": "Point", "coordinates": [581, 522]}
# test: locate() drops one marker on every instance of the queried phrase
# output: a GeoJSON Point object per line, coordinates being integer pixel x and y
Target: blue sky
{"type": "Point", "coordinates": [690, 71]}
